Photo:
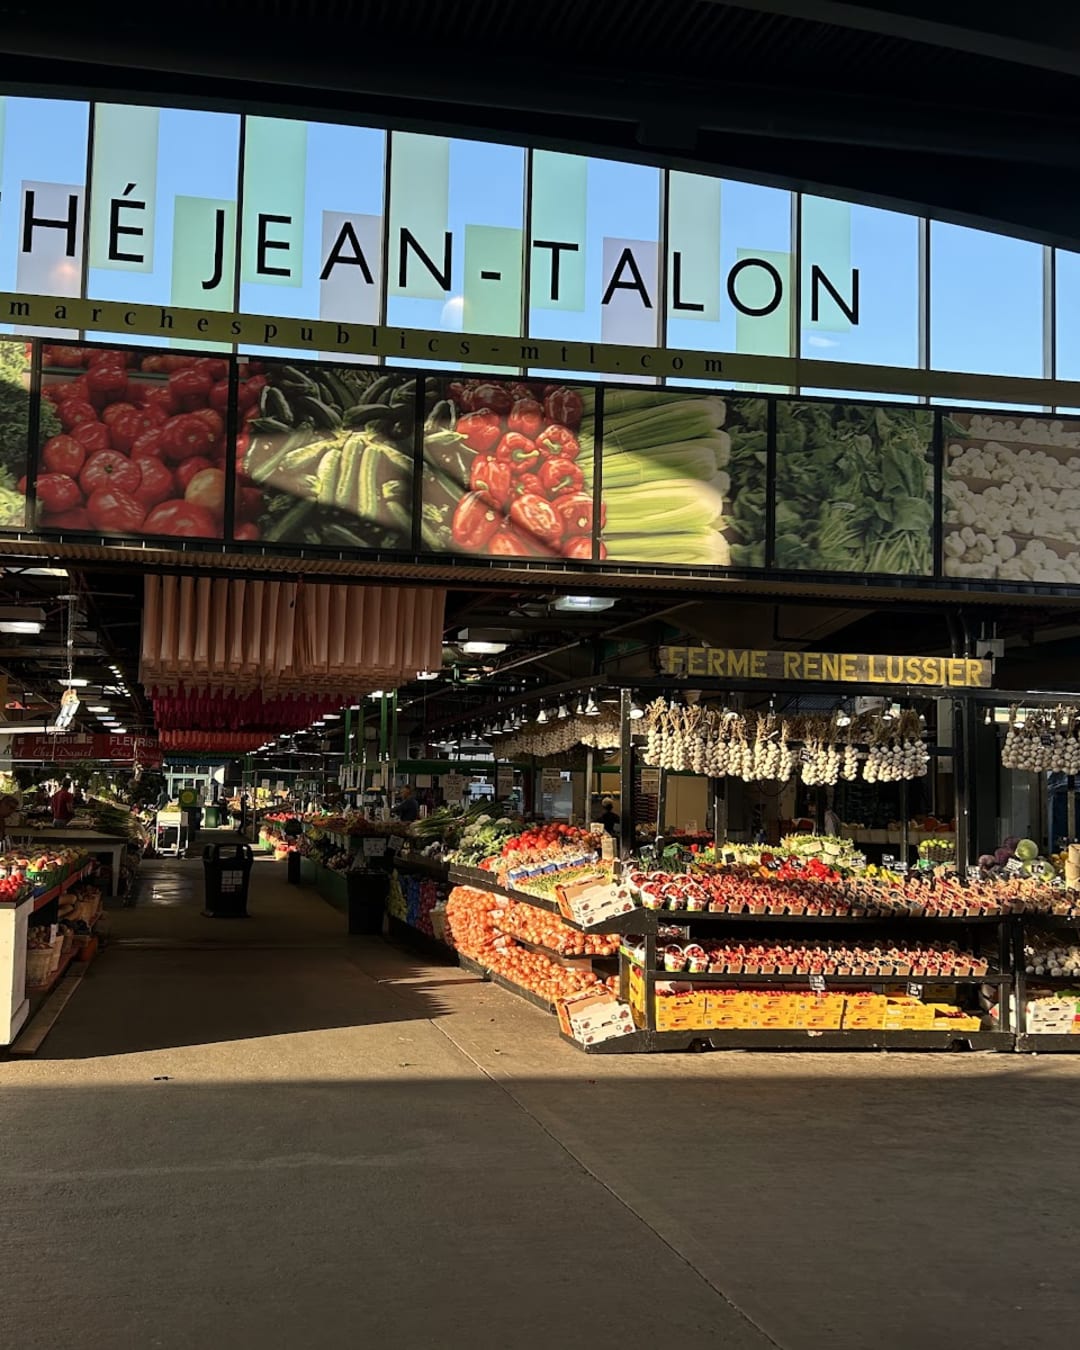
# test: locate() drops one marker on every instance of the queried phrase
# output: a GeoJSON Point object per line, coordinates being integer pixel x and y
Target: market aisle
{"type": "Point", "coordinates": [270, 1148]}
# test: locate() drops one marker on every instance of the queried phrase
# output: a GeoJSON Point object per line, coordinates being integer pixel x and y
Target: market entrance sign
{"type": "Point", "coordinates": [940, 672]}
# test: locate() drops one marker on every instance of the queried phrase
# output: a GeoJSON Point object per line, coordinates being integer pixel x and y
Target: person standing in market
{"type": "Point", "coordinates": [408, 808]}
{"type": "Point", "coordinates": [9, 816]}
{"type": "Point", "coordinates": [608, 816]}
{"type": "Point", "coordinates": [62, 804]}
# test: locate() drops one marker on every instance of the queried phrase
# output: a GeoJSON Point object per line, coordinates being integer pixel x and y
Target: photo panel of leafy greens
{"type": "Point", "coordinates": [854, 488]}
{"type": "Point", "coordinates": [1012, 497]}
{"type": "Point", "coordinates": [14, 432]}
{"type": "Point", "coordinates": [508, 468]}
{"type": "Point", "coordinates": [684, 478]}
{"type": "Point", "coordinates": [326, 458]}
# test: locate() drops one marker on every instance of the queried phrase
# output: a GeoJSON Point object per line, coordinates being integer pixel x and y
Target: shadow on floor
{"type": "Point", "coordinates": [416, 1202]}
{"type": "Point", "coordinates": [169, 976]}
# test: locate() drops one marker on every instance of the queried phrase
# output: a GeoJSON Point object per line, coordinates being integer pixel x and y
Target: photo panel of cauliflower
{"type": "Point", "coordinates": [1012, 498]}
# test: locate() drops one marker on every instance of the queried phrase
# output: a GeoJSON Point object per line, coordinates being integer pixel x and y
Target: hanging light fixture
{"type": "Point", "coordinates": [508, 725]}
{"type": "Point", "coordinates": [636, 710]}
{"type": "Point", "coordinates": [542, 716]}
{"type": "Point", "coordinates": [580, 709]}
{"type": "Point", "coordinates": [21, 619]}
{"type": "Point", "coordinates": [988, 720]}
{"type": "Point", "coordinates": [563, 712]}
{"type": "Point", "coordinates": [69, 703]}
{"type": "Point", "coordinates": [592, 709]}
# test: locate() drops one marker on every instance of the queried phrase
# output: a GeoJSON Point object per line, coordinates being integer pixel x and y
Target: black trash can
{"type": "Point", "coordinates": [368, 894]}
{"type": "Point", "coordinates": [226, 872]}
{"type": "Point", "coordinates": [293, 864]}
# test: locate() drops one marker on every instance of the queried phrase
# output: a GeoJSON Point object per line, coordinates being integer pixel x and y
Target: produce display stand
{"type": "Point", "coordinates": [645, 1042]}
{"type": "Point", "coordinates": [14, 1001]}
{"type": "Point", "coordinates": [90, 841]}
{"type": "Point", "coordinates": [1041, 1042]}
{"type": "Point", "coordinates": [54, 892]}
{"type": "Point", "coordinates": [429, 870]}
{"type": "Point", "coordinates": [645, 924]}
{"type": "Point", "coordinates": [17, 1000]}
{"type": "Point", "coordinates": [955, 1021]}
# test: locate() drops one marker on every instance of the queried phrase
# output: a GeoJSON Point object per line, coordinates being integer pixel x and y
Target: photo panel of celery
{"type": "Point", "coordinates": [684, 478]}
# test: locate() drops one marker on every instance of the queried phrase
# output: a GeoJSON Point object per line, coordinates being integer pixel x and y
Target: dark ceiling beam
{"type": "Point", "coordinates": [662, 116]}
{"type": "Point", "coordinates": [1002, 32]}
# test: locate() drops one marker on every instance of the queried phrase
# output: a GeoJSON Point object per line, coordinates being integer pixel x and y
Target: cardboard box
{"type": "Point", "coordinates": [962, 1022]}
{"type": "Point", "coordinates": [1051, 1017]}
{"type": "Point", "coordinates": [864, 1012]}
{"type": "Point", "coordinates": [590, 1017]}
{"type": "Point", "coordinates": [681, 1011]}
{"type": "Point", "coordinates": [593, 900]}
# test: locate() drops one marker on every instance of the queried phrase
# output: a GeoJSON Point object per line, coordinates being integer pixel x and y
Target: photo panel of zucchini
{"type": "Point", "coordinates": [854, 488]}
{"type": "Point", "coordinates": [1012, 497]}
{"type": "Point", "coordinates": [508, 468]}
{"type": "Point", "coordinates": [325, 458]}
{"type": "Point", "coordinates": [15, 360]}
{"type": "Point", "coordinates": [684, 478]}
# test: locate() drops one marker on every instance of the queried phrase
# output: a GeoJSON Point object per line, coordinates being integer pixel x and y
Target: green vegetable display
{"type": "Point", "coordinates": [854, 488]}
{"type": "Point", "coordinates": [331, 450]}
{"type": "Point", "coordinates": [15, 429]}
{"type": "Point", "coordinates": [684, 478]}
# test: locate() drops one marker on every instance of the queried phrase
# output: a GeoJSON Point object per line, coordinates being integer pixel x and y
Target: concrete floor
{"type": "Point", "coordinates": [259, 1135]}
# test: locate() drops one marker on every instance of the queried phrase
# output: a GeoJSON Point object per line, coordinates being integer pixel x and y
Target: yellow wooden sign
{"type": "Point", "coordinates": [727, 663]}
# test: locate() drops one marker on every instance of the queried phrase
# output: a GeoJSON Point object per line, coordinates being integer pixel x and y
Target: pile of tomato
{"type": "Point", "coordinates": [138, 455]}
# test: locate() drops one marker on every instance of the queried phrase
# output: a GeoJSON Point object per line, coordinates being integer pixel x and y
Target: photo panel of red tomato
{"type": "Point", "coordinates": [325, 457]}
{"type": "Point", "coordinates": [15, 360]}
{"type": "Point", "coordinates": [508, 468]}
{"type": "Point", "coordinates": [133, 442]}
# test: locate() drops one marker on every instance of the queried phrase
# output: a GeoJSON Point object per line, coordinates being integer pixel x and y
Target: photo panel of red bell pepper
{"type": "Point", "coordinates": [326, 458]}
{"type": "Point", "coordinates": [508, 468]}
{"type": "Point", "coordinates": [16, 358]}
{"type": "Point", "coordinates": [133, 442]}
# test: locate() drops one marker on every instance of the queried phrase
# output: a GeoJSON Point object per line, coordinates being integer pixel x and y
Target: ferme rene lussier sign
{"type": "Point", "coordinates": [826, 667]}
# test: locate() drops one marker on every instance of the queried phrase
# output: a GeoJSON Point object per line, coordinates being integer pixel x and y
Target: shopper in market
{"type": "Point", "coordinates": [408, 808]}
{"type": "Point", "coordinates": [608, 817]}
{"type": "Point", "coordinates": [62, 804]}
{"type": "Point", "coordinates": [9, 816]}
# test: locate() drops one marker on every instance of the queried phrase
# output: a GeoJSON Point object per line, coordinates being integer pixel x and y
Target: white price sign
{"type": "Point", "coordinates": [453, 786]}
{"type": "Point", "coordinates": [504, 781]}
{"type": "Point", "coordinates": [550, 781]}
{"type": "Point", "coordinates": [650, 782]}
{"type": "Point", "coordinates": [374, 848]}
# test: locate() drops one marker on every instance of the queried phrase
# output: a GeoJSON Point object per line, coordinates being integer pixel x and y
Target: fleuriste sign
{"type": "Point", "coordinates": [64, 749]}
